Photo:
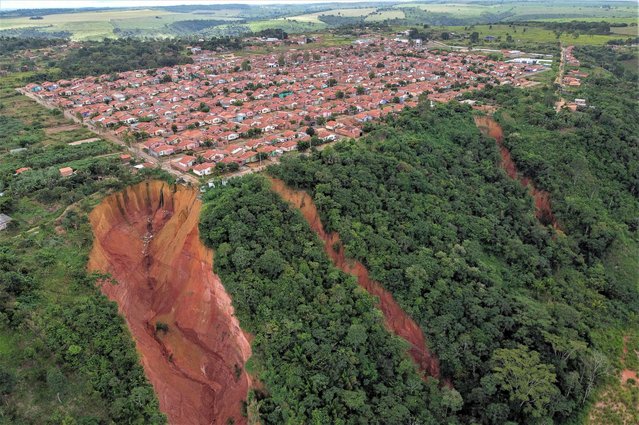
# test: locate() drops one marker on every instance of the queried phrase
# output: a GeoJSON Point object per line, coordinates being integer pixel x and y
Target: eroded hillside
{"type": "Point", "coordinates": [192, 348]}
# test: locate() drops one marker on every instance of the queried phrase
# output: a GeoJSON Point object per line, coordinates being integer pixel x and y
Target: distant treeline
{"type": "Point", "coordinates": [43, 12]}
{"type": "Point", "coordinates": [14, 44]}
{"type": "Point", "coordinates": [272, 33]}
{"type": "Point", "coordinates": [96, 58]}
{"type": "Point", "coordinates": [34, 32]}
{"type": "Point", "coordinates": [196, 25]}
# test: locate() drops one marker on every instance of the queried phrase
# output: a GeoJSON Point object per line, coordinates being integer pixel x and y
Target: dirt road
{"type": "Point", "coordinates": [107, 135]}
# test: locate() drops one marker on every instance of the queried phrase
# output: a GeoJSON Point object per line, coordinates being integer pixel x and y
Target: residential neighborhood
{"type": "Point", "coordinates": [227, 109]}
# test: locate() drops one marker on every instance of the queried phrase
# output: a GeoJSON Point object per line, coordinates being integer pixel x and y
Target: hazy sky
{"type": "Point", "coordinates": [34, 4]}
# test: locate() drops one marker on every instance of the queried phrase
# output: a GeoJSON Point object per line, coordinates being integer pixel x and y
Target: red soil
{"type": "Point", "coordinates": [395, 318]}
{"type": "Point", "coordinates": [490, 127]}
{"type": "Point", "coordinates": [627, 374]}
{"type": "Point", "coordinates": [147, 238]}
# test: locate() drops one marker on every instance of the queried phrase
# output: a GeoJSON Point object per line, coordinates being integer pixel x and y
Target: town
{"type": "Point", "coordinates": [224, 112]}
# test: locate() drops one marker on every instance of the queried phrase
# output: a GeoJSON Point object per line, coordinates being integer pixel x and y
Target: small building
{"type": "Point", "coordinates": [4, 221]}
{"type": "Point", "coordinates": [22, 170]}
{"type": "Point", "coordinates": [66, 171]}
{"type": "Point", "coordinates": [203, 169]}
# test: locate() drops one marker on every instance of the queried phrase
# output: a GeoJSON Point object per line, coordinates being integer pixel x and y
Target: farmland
{"type": "Point", "coordinates": [234, 20]}
{"type": "Point", "coordinates": [522, 33]}
{"type": "Point", "coordinates": [561, 10]}
{"type": "Point", "coordinates": [97, 25]}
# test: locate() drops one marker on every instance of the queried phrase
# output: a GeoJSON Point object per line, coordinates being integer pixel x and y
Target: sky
{"type": "Point", "coordinates": [54, 4]}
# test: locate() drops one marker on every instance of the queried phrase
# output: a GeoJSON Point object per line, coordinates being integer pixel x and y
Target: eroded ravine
{"type": "Point", "coordinates": [147, 238]}
{"type": "Point", "coordinates": [395, 318]}
{"type": "Point", "coordinates": [543, 210]}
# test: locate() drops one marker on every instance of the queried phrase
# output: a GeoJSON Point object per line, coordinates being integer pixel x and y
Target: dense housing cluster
{"type": "Point", "coordinates": [231, 109]}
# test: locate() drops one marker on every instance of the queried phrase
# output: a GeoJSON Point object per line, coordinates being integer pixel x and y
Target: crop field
{"type": "Point", "coordinates": [459, 10]}
{"type": "Point", "coordinates": [362, 12]}
{"type": "Point", "coordinates": [521, 33]}
{"type": "Point", "coordinates": [287, 24]}
{"type": "Point", "coordinates": [540, 10]}
{"type": "Point", "coordinates": [629, 31]}
{"type": "Point", "coordinates": [100, 24]}
{"type": "Point", "coordinates": [382, 15]}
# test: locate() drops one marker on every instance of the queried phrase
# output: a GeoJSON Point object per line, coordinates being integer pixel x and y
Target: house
{"type": "Point", "coordinates": [184, 163]}
{"type": "Point", "coordinates": [4, 221]}
{"type": "Point", "coordinates": [161, 150]}
{"type": "Point", "coordinates": [203, 169]}
{"type": "Point", "coordinates": [66, 171]}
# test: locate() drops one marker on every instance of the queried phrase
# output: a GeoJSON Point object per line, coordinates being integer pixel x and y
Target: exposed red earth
{"type": "Point", "coordinates": [395, 318]}
{"type": "Point", "coordinates": [627, 374]}
{"type": "Point", "coordinates": [147, 238]}
{"type": "Point", "coordinates": [489, 127]}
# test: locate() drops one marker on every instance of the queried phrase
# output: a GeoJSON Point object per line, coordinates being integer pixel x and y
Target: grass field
{"type": "Point", "coordinates": [559, 10]}
{"type": "Point", "coordinates": [629, 31]}
{"type": "Point", "coordinates": [383, 15]}
{"type": "Point", "coordinates": [459, 10]}
{"type": "Point", "coordinates": [287, 24]}
{"type": "Point", "coordinates": [347, 13]}
{"type": "Point", "coordinates": [93, 25]}
{"type": "Point", "coordinates": [531, 34]}
{"type": "Point", "coordinates": [100, 24]}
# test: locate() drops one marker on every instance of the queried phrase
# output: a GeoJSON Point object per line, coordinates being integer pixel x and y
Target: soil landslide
{"type": "Point", "coordinates": [147, 238]}
{"type": "Point", "coordinates": [395, 318]}
{"type": "Point", "coordinates": [491, 128]}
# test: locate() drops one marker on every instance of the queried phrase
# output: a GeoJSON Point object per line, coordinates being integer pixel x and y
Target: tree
{"type": "Point", "coordinates": [474, 37]}
{"type": "Point", "coordinates": [310, 131]}
{"type": "Point", "coordinates": [246, 65]}
{"type": "Point", "coordinates": [302, 145]}
{"type": "Point", "coordinates": [360, 90]}
{"type": "Point", "coordinates": [527, 381]}
{"type": "Point", "coordinates": [7, 382]}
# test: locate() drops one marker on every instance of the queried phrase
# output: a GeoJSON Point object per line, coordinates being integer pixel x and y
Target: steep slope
{"type": "Point", "coordinates": [147, 238]}
{"type": "Point", "coordinates": [395, 318]}
{"type": "Point", "coordinates": [491, 128]}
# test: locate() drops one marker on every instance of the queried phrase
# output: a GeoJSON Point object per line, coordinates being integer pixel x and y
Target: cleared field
{"type": "Point", "coordinates": [621, 20]}
{"type": "Point", "coordinates": [459, 10]}
{"type": "Point", "coordinates": [347, 13]}
{"type": "Point", "coordinates": [529, 34]}
{"type": "Point", "coordinates": [629, 31]}
{"type": "Point", "coordinates": [287, 24]}
{"type": "Point", "coordinates": [97, 25]}
{"type": "Point", "coordinates": [384, 15]}
{"type": "Point", "coordinates": [546, 10]}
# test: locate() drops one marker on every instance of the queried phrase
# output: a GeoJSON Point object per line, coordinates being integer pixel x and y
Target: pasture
{"type": "Point", "coordinates": [361, 12]}
{"type": "Point", "coordinates": [556, 10]}
{"type": "Point", "coordinates": [99, 24]}
{"type": "Point", "coordinates": [526, 33]}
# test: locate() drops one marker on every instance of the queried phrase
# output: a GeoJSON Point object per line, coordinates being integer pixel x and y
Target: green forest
{"type": "Point", "coordinates": [66, 356]}
{"type": "Point", "coordinates": [320, 345]}
{"type": "Point", "coordinates": [527, 320]}
{"type": "Point", "coordinates": [521, 316]}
